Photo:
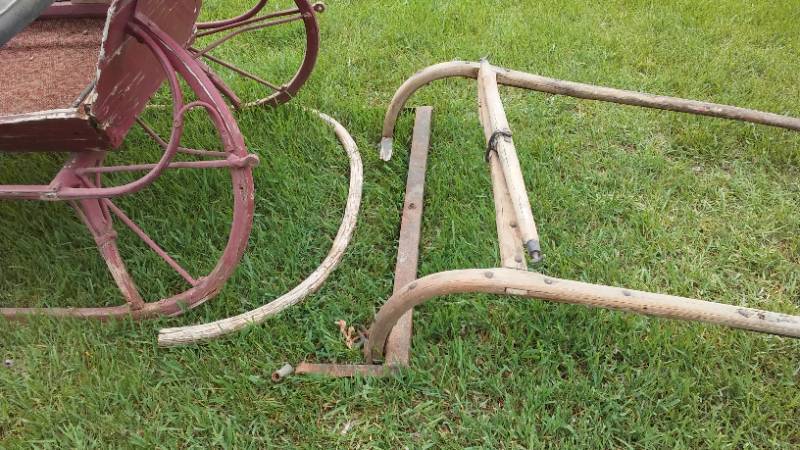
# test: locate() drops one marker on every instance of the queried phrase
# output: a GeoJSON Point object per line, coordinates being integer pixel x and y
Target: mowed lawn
{"type": "Point", "coordinates": [645, 199]}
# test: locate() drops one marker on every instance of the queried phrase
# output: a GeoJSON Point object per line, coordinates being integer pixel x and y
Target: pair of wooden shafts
{"type": "Point", "coordinates": [516, 226]}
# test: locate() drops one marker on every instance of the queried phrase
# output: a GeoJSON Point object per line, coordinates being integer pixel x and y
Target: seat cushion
{"type": "Point", "coordinates": [49, 64]}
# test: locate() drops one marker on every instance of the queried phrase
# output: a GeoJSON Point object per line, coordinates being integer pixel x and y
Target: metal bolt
{"type": "Point", "coordinates": [282, 373]}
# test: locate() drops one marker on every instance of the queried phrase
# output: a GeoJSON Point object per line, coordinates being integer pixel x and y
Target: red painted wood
{"type": "Point", "coordinates": [129, 73]}
{"type": "Point", "coordinates": [50, 131]}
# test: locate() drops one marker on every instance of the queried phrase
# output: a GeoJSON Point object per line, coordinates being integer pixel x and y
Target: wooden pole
{"type": "Point", "coordinates": [536, 285]}
{"type": "Point", "coordinates": [539, 83]}
{"type": "Point", "coordinates": [187, 335]}
{"type": "Point", "coordinates": [498, 137]}
{"type": "Point", "coordinates": [508, 237]}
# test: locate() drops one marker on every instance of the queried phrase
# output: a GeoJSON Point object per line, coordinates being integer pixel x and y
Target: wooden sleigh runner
{"type": "Point", "coordinates": [389, 338]}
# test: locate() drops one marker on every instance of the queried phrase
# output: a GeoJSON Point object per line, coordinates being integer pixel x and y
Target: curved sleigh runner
{"type": "Point", "coordinates": [169, 337]}
{"type": "Point", "coordinates": [141, 45]}
{"type": "Point", "coordinates": [389, 337]}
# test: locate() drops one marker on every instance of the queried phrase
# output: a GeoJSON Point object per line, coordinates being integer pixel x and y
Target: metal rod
{"type": "Point", "coordinates": [247, 161]}
{"type": "Point", "coordinates": [242, 72]}
{"type": "Point", "coordinates": [233, 34]}
{"type": "Point", "coordinates": [398, 345]}
{"type": "Point", "coordinates": [150, 242]}
{"type": "Point", "coordinates": [221, 23]}
{"type": "Point", "coordinates": [210, 31]}
{"type": "Point", "coordinates": [189, 151]}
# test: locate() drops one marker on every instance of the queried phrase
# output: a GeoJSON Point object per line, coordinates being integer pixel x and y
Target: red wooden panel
{"type": "Point", "coordinates": [50, 131]}
{"type": "Point", "coordinates": [129, 73]}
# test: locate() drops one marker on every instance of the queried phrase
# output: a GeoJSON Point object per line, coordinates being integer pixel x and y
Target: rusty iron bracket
{"type": "Point", "coordinates": [399, 340]}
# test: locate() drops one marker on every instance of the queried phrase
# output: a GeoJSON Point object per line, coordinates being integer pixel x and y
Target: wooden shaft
{"type": "Point", "coordinates": [633, 98]}
{"type": "Point", "coordinates": [580, 90]}
{"type": "Point", "coordinates": [197, 333]}
{"type": "Point", "coordinates": [494, 121]}
{"type": "Point", "coordinates": [536, 285]}
{"type": "Point", "coordinates": [508, 238]}
{"type": "Point", "coordinates": [398, 345]}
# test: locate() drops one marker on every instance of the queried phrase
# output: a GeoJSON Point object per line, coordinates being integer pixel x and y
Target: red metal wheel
{"type": "Point", "coordinates": [253, 20]}
{"type": "Point", "coordinates": [95, 205]}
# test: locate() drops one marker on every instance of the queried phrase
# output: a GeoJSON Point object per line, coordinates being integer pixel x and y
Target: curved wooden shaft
{"type": "Point", "coordinates": [580, 90]}
{"type": "Point", "coordinates": [169, 337]}
{"type": "Point", "coordinates": [536, 285]}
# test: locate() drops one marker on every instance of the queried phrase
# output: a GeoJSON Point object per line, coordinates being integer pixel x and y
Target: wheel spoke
{"type": "Point", "coordinates": [149, 241]}
{"type": "Point", "coordinates": [189, 151]}
{"type": "Point", "coordinates": [224, 89]}
{"type": "Point", "coordinates": [246, 29]}
{"type": "Point", "coordinates": [286, 12]}
{"type": "Point", "coordinates": [243, 72]}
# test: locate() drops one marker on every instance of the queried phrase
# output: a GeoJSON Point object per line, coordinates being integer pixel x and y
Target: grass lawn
{"type": "Point", "coordinates": [649, 200]}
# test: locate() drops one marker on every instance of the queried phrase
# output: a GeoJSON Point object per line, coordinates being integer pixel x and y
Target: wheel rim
{"type": "Point", "coordinates": [252, 21]}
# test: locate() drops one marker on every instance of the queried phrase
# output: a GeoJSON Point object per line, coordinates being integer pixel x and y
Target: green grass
{"type": "Point", "coordinates": [650, 200]}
